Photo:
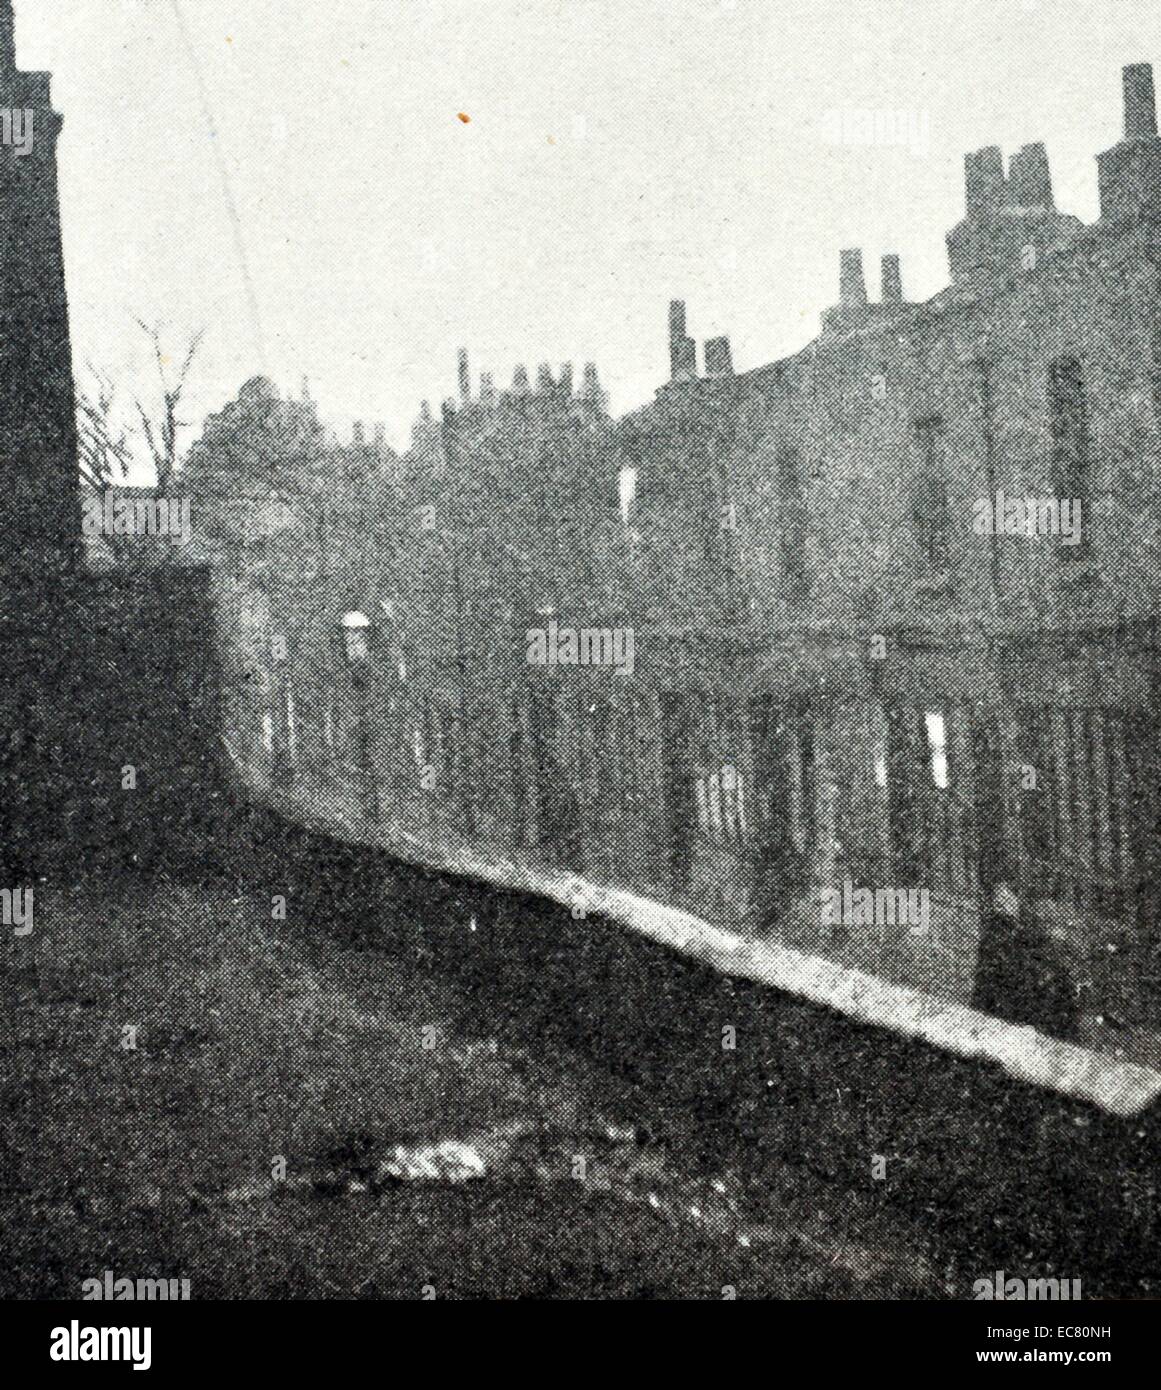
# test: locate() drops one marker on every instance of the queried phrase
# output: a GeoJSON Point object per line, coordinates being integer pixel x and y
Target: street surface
{"type": "Point", "coordinates": [196, 1089]}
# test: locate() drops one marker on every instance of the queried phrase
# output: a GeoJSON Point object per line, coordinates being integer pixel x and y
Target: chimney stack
{"type": "Point", "coordinates": [591, 392]}
{"type": "Point", "coordinates": [1130, 172]}
{"type": "Point", "coordinates": [465, 376]}
{"type": "Point", "coordinates": [890, 281]}
{"type": "Point", "coordinates": [682, 348]}
{"type": "Point", "coordinates": [852, 286]}
{"type": "Point", "coordinates": [983, 180]}
{"type": "Point", "coordinates": [487, 389]}
{"type": "Point", "coordinates": [718, 359]}
{"type": "Point", "coordinates": [1029, 178]}
{"type": "Point", "coordinates": [1140, 102]}
{"type": "Point", "coordinates": [520, 380]}
{"type": "Point", "coordinates": [7, 38]}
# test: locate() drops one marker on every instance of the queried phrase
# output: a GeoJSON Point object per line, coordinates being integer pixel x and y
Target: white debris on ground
{"type": "Point", "coordinates": [450, 1161]}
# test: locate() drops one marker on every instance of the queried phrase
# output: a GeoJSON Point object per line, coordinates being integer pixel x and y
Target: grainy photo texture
{"type": "Point", "coordinates": [581, 694]}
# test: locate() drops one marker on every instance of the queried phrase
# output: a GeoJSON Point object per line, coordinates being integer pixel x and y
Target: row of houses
{"type": "Point", "coordinates": [893, 603]}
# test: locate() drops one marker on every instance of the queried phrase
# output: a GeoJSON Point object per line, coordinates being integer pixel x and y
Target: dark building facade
{"type": "Point", "coordinates": [39, 509]}
{"type": "Point", "coordinates": [38, 441]}
{"type": "Point", "coordinates": [108, 707]}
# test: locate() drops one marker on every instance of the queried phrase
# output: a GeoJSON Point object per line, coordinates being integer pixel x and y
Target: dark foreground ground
{"type": "Point", "coordinates": [194, 1088]}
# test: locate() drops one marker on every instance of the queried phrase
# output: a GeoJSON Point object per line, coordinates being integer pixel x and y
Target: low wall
{"type": "Point", "coordinates": [110, 724]}
{"type": "Point", "coordinates": [1007, 1145]}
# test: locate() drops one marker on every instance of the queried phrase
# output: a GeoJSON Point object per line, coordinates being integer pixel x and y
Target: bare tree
{"type": "Point", "coordinates": [161, 436]}
{"type": "Point", "coordinates": [105, 451]}
{"type": "Point", "coordinates": [103, 446]}
{"type": "Point", "coordinates": [107, 444]}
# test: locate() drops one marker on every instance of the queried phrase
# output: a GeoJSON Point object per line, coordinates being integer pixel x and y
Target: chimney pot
{"type": "Point", "coordinates": [1029, 178]}
{"type": "Point", "coordinates": [852, 286]}
{"type": "Point", "coordinates": [682, 349]}
{"type": "Point", "coordinates": [7, 37]}
{"type": "Point", "coordinates": [1140, 102]}
{"type": "Point", "coordinates": [984, 179]}
{"type": "Point", "coordinates": [718, 359]}
{"type": "Point", "coordinates": [684, 359]}
{"type": "Point", "coordinates": [890, 281]}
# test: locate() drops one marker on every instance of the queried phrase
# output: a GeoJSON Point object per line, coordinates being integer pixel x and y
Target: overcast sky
{"type": "Point", "coordinates": [618, 153]}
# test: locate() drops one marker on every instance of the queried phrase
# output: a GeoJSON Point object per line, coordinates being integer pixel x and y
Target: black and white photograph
{"type": "Point", "coordinates": [580, 608]}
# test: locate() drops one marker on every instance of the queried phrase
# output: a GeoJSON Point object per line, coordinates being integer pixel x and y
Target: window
{"type": "Point", "coordinates": [802, 786]}
{"type": "Point", "coordinates": [931, 511]}
{"type": "Point", "coordinates": [721, 807]}
{"type": "Point", "coordinates": [937, 747]}
{"type": "Point", "coordinates": [627, 490]}
{"type": "Point", "coordinates": [734, 804]}
{"type": "Point", "coordinates": [702, 803]}
{"type": "Point", "coordinates": [1068, 412]}
{"type": "Point", "coordinates": [792, 530]}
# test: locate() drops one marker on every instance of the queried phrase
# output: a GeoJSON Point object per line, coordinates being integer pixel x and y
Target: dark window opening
{"type": "Point", "coordinates": [792, 531]}
{"type": "Point", "coordinates": [931, 509]}
{"type": "Point", "coordinates": [1071, 446]}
